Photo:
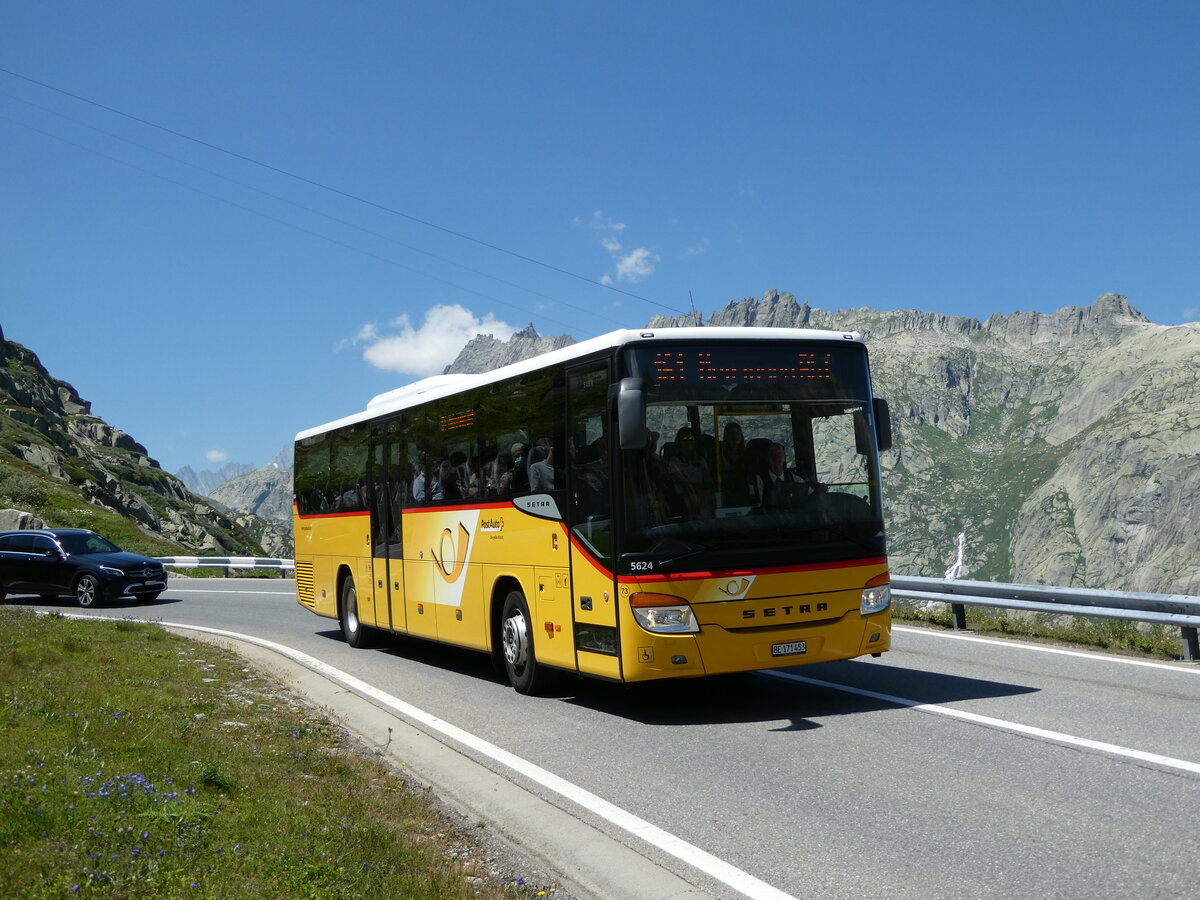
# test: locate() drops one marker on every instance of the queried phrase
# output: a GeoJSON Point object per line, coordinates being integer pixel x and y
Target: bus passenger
{"type": "Point", "coordinates": [735, 467]}
{"type": "Point", "coordinates": [520, 469]}
{"type": "Point", "coordinates": [426, 487]}
{"type": "Point", "coordinates": [541, 473]}
{"type": "Point", "coordinates": [690, 476]}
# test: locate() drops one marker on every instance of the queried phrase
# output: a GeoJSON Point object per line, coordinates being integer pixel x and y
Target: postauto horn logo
{"type": "Point", "coordinates": [452, 559]}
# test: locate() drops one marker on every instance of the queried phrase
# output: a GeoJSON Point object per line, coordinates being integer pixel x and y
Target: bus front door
{"type": "Point", "coordinates": [589, 487]}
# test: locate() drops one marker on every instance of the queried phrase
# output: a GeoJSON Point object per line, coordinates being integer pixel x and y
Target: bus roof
{"type": "Point", "coordinates": [437, 386]}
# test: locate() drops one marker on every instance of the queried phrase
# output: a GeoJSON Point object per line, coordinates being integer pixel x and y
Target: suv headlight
{"type": "Point", "coordinates": [877, 596]}
{"type": "Point", "coordinates": [663, 614]}
{"type": "Point", "coordinates": [109, 570]}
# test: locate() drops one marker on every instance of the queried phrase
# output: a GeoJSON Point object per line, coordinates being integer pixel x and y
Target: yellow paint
{"type": "Point", "coordinates": [459, 563]}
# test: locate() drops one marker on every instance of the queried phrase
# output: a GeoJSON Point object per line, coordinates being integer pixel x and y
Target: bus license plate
{"type": "Point", "coordinates": [793, 648]}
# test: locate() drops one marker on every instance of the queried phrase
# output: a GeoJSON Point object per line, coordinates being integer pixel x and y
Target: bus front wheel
{"type": "Point", "coordinates": [516, 642]}
{"type": "Point", "coordinates": [353, 630]}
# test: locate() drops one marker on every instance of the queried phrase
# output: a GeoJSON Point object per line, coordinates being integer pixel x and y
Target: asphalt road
{"type": "Point", "coordinates": [954, 766]}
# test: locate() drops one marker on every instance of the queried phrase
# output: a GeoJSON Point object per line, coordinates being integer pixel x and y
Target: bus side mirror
{"type": "Point", "coordinates": [883, 424]}
{"type": "Point", "coordinates": [631, 414]}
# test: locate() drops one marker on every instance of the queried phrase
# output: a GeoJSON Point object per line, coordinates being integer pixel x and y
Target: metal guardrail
{"type": "Point", "coordinates": [1178, 610]}
{"type": "Point", "coordinates": [227, 563]}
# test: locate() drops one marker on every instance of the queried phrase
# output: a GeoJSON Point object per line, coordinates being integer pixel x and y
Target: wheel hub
{"type": "Point", "coordinates": [515, 640]}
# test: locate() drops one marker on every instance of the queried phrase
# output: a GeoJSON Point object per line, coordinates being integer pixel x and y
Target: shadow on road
{"type": "Point", "coordinates": [754, 697]}
{"type": "Point", "coordinates": [723, 699]}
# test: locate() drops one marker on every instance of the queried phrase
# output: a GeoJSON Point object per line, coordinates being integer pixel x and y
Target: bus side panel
{"type": "Point", "coordinates": [532, 551]}
{"type": "Point", "coordinates": [550, 610]}
{"type": "Point", "coordinates": [419, 611]}
{"type": "Point", "coordinates": [595, 610]}
{"type": "Point", "coordinates": [327, 542]}
{"type": "Point", "coordinates": [371, 609]}
{"type": "Point", "coordinates": [466, 623]}
{"type": "Point", "coordinates": [438, 545]}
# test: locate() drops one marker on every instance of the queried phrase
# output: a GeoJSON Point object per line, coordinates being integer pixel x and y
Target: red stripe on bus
{"type": "Point", "coordinates": [335, 515]}
{"type": "Point", "coordinates": [413, 510]}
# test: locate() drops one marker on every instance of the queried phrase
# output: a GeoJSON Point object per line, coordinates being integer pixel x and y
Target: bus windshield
{"type": "Point", "coordinates": [759, 454]}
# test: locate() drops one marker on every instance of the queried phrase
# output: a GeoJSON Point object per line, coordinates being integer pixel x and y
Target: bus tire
{"type": "Point", "coordinates": [354, 631]}
{"type": "Point", "coordinates": [516, 645]}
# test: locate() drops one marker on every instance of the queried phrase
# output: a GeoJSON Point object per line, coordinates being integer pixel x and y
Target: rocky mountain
{"type": "Point", "coordinates": [206, 481]}
{"type": "Point", "coordinates": [263, 494]}
{"type": "Point", "coordinates": [284, 459]}
{"type": "Point", "coordinates": [484, 352]}
{"type": "Point", "coordinates": [1064, 446]}
{"type": "Point", "coordinates": [68, 467]}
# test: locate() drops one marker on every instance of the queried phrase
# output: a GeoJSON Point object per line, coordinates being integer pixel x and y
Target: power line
{"type": "Point", "coordinates": [337, 191]}
{"type": "Point", "coordinates": [314, 211]}
{"type": "Point", "coordinates": [318, 235]}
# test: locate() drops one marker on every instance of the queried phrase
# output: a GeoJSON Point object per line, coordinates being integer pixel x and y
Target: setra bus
{"type": "Point", "coordinates": [642, 505]}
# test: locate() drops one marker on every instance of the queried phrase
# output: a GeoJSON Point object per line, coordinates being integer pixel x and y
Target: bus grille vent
{"type": "Point", "coordinates": [305, 592]}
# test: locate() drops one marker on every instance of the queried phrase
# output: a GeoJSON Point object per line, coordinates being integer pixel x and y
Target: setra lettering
{"type": "Point", "coordinates": [774, 611]}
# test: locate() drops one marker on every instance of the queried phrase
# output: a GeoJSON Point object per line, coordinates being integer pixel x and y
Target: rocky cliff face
{"type": "Point", "coordinates": [206, 481]}
{"type": "Point", "coordinates": [484, 352]}
{"type": "Point", "coordinates": [51, 447]}
{"type": "Point", "coordinates": [264, 495]}
{"type": "Point", "coordinates": [1066, 446]}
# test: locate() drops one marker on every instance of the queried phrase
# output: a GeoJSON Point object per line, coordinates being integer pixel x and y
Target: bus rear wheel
{"type": "Point", "coordinates": [516, 643]}
{"type": "Point", "coordinates": [353, 630]}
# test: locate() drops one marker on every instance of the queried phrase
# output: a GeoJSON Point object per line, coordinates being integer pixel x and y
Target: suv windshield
{"type": "Point", "coordinates": [760, 453]}
{"type": "Point", "coordinates": [77, 544]}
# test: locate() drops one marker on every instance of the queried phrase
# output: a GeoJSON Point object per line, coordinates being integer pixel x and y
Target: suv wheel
{"type": "Point", "coordinates": [88, 591]}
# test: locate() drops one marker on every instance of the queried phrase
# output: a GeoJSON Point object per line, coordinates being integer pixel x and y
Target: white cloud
{"type": "Point", "coordinates": [631, 267]}
{"type": "Point", "coordinates": [217, 456]}
{"type": "Point", "coordinates": [637, 265]}
{"type": "Point", "coordinates": [602, 223]}
{"type": "Point", "coordinates": [367, 332]}
{"type": "Point", "coordinates": [427, 350]}
{"type": "Point", "coordinates": [1189, 313]}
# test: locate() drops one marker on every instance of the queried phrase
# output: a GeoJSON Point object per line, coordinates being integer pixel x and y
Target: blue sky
{"type": "Point", "coordinates": [227, 222]}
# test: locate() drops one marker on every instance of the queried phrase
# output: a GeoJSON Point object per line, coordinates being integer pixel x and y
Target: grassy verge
{"type": "Point", "coordinates": [136, 763]}
{"type": "Point", "coordinates": [1106, 634]}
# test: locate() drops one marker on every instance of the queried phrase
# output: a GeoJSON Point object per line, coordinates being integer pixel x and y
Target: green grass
{"type": "Point", "coordinates": [1116, 635]}
{"type": "Point", "coordinates": [136, 763]}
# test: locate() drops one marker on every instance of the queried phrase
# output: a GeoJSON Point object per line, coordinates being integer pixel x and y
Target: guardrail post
{"type": "Point", "coordinates": [1191, 645]}
{"type": "Point", "coordinates": [958, 612]}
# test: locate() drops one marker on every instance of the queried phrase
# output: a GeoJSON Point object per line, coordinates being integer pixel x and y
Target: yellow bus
{"type": "Point", "coordinates": [643, 505]}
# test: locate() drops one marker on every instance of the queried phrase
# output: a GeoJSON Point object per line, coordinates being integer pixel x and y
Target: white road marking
{"type": "Point", "coordinates": [1042, 648]}
{"type": "Point", "coordinates": [291, 594]}
{"type": "Point", "coordinates": [1056, 737]}
{"type": "Point", "coordinates": [740, 881]}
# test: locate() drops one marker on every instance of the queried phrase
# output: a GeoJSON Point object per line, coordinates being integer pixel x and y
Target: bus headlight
{"type": "Point", "coordinates": [663, 614]}
{"type": "Point", "coordinates": [876, 598]}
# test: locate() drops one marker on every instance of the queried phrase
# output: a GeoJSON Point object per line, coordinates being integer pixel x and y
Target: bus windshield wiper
{"type": "Point", "coordinates": [672, 563]}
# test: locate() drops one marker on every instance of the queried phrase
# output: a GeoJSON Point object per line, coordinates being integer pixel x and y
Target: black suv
{"type": "Point", "coordinates": [56, 561]}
